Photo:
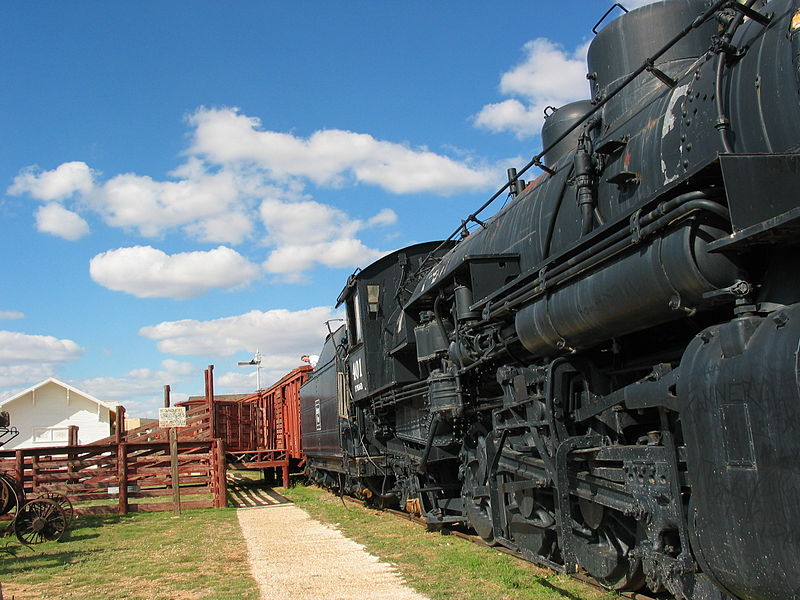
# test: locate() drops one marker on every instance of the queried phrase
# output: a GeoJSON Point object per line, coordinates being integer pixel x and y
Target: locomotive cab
{"type": "Point", "coordinates": [380, 335]}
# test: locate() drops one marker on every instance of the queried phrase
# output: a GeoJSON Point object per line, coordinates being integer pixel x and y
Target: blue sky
{"type": "Point", "coordinates": [186, 181]}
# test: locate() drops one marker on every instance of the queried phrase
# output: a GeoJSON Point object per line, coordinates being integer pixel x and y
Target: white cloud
{"type": "Point", "coordinates": [234, 171]}
{"type": "Point", "coordinates": [55, 219]}
{"type": "Point", "coordinates": [147, 272]}
{"type": "Point", "coordinates": [308, 233]}
{"type": "Point", "coordinates": [23, 375]}
{"type": "Point", "coordinates": [385, 217]}
{"type": "Point", "coordinates": [245, 382]}
{"type": "Point", "coordinates": [198, 201]}
{"type": "Point", "coordinates": [11, 314]}
{"type": "Point", "coordinates": [281, 334]}
{"type": "Point", "coordinates": [58, 184]}
{"type": "Point", "coordinates": [548, 76]}
{"type": "Point", "coordinates": [26, 359]}
{"type": "Point", "coordinates": [330, 156]}
{"type": "Point", "coordinates": [19, 348]}
{"type": "Point", "coordinates": [289, 260]}
{"type": "Point", "coordinates": [141, 391]}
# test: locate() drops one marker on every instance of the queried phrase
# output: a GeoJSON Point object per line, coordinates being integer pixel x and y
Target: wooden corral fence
{"type": "Point", "coordinates": [123, 472]}
{"type": "Point", "coordinates": [256, 431]}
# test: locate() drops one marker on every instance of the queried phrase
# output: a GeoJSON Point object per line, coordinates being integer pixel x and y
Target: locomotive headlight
{"type": "Point", "coordinates": [795, 25]}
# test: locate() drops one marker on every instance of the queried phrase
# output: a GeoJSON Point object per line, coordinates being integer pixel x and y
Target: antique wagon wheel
{"type": "Point", "coordinates": [62, 501]}
{"type": "Point", "coordinates": [40, 521]}
{"type": "Point", "coordinates": [11, 495]}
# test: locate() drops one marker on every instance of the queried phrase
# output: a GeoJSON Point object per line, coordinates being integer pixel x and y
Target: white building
{"type": "Point", "coordinates": [44, 413]}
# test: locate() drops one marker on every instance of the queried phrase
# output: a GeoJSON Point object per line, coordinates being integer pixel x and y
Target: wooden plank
{"type": "Point", "coordinates": [245, 466]}
{"type": "Point", "coordinates": [185, 491]}
{"type": "Point", "coordinates": [159, 506]}
{"type": "Point", "coordinates": [164, 481]}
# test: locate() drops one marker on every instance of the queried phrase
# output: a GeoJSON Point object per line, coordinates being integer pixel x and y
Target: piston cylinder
{"type": "Point", "coordinates": [644, 288]}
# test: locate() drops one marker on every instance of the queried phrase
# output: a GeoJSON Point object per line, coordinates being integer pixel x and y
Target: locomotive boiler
{"type": "Point", "coordinates": [604, 374]}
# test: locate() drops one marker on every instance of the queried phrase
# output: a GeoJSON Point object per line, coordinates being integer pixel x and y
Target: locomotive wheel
{"type": "Point", "coordinates": [604, 550]}
{"type": "Point", "coordinates": [62, 501]}
{"type": "Point", "coordinates": [40, 521]}
{"type": "Point", "coordinates": [531, 524]}
{"type": "Point", "coordinates": [477, 503]}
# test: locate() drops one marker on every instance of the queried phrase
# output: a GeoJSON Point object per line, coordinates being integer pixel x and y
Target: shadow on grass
{"type": "Point", "coordinates": [25, 562]}
{"type": "Point", "coordinates": [70, 537]}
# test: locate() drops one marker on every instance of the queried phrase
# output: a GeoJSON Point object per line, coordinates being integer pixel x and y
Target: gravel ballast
{"type": "Point", "coordinates": [292, 556]}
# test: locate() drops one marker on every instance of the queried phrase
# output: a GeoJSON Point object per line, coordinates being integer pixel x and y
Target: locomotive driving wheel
{"type": "Point", "coordinates": [40, 521]}
{"type": "Point", "coordinates": [603, 544]}
{"type": "Point", "coordinates": [475, 465]}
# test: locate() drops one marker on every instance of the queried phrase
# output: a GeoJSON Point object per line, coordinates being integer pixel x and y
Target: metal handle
{"type": "Point", "coordinates": [608, 12]}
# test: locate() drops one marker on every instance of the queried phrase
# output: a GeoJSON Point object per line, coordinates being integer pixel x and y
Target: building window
{"type": "Point", "coordinates": [50, 435]}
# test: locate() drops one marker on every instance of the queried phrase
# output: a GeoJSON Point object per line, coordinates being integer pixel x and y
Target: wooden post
{"type": "Point", "coordinates": [286, 473]}
{"type": "Point", "coordinates": [173, 470]}
{"type": "Point", "coordinates": [120, 433]}
{"type": "Point", "coordinates": [166, 396]}
{"type": "Point", "coordinates": [19, 467]}
{"type": "Point", "coordinates": [73, 441]}
{"type": "Point", "coordinates": [122, 474]}
{"type": "Point", "coordinates": [212, 411]}
{"type": "Point", "coordinates": [222, 483]}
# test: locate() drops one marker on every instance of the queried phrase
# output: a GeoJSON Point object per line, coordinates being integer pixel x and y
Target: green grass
{"type": "Point", "coordinates": [142, 556]}
{"type": "Point", "coordinates": [441, 566]}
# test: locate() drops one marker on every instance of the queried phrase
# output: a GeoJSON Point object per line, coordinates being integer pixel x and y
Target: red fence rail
{"type": "Point", "coordinates": [123, 473]}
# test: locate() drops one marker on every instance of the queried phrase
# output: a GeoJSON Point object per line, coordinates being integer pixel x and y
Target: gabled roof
{"type": "Point", "coordinates": [112, 406]}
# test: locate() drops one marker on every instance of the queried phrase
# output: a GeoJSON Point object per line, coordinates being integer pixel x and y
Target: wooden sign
{"type": "Point", "coordinates": [172, 417]}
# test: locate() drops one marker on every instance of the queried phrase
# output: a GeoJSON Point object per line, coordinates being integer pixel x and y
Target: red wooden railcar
{"type": "Point", "coordinates": [259, 430]}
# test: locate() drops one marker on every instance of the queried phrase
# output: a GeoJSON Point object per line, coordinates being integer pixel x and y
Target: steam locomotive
{"type": "Point", "coordinates": [604, 375]}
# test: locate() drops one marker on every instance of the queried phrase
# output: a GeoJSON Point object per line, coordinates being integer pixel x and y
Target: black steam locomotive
{"type": "Point", "coordinates": [604, 375]}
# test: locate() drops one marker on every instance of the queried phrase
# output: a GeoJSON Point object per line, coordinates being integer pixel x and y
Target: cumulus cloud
{"type": "Point", "coordinates": [330, 156]}
{"type": "Point", "coordinates": [308, 233]}
{"type": "Point", "coordinates": [58, 184]}
{"type": "Point", "coordinates": [197, 200]}
{"type": "Point", "coordinates": [549, 75]}
{"type": "Point", "coordinates": [286, 335]}
{"type": "Point", "coordinates": [26, 359]}
{"type": "Point", "coordinates": [18, 348]}
{"type": "Point", "coordinates": [235, 171]}
{"type": "Point", "coordinates": [11, 314]}
{"type": "Point", "coordinates": [55, 219]}
{"type": "Point", "coordinates": [141, 388]}
{"type": "Point", "coordinates": [147, 272]}
{"type": "Point", "coordinates": [23, 375]}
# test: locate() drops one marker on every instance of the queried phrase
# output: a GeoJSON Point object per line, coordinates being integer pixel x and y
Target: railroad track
{"type": "Point", "coordinates": [475, 539]}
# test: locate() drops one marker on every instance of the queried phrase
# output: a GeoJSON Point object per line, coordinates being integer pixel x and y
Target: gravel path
{"type": "Point", "coordinates": [293, 556]}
